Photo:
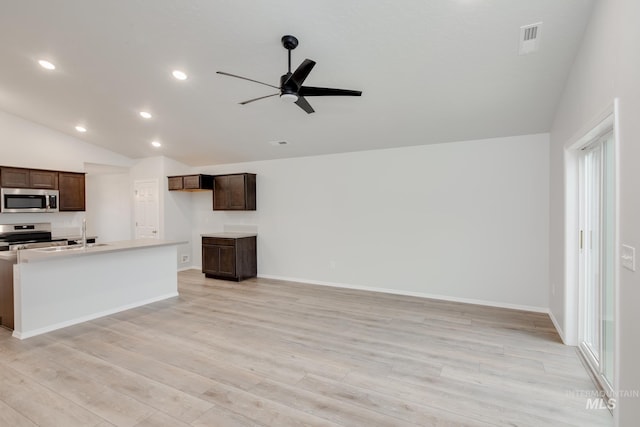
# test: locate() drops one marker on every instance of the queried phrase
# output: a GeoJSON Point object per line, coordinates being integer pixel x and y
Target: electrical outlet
{"type": "Point", "coordinates": [185, 258]}
{"type": "Point", "coordinates": [628, 257]}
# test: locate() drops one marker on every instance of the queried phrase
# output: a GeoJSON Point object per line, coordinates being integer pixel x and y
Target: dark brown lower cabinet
{"type": "Point", "coordinates": [231, 258]}
{"type": "Point", "coordinates": [6, 293]}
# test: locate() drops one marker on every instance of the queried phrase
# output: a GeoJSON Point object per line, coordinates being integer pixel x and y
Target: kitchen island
{"type": "Point", "coordinates": [60, 286]}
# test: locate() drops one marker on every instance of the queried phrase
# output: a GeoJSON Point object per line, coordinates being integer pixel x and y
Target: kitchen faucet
{"type": "Point", "coordinates": [84, 233]}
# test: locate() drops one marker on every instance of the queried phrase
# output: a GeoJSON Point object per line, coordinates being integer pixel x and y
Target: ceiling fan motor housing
{"type": "Point", "coordinates": [287, 85]}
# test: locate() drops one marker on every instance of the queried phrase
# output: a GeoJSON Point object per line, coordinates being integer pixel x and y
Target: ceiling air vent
{"type": "Point", "coordinates": [529, 38]}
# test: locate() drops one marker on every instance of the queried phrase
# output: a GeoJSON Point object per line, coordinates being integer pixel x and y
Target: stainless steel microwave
{"type": "Point", "coordinates": [16, 200]}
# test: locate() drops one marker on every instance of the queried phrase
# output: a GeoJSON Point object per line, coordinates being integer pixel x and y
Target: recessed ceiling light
{"type": "Point", "coordinates": [46, 64]}
{"type": "Point", "coordinates": [156, 144]}
{"type": "Point", "coordinates": [81, 128]}
{"type": "Point", "coordinates": [145, 115]}
{"type": "Point", "coordinates": [180, 75]}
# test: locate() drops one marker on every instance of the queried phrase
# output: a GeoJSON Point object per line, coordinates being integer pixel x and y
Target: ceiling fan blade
{"type": "Point", "coordinates": [244, 78]}
{"type": "Point", "coordinates": [301, 73]}
{"type": "Point", "coordinates": [302, 103]}
{"type": "Point", "coordinates": [327, 91]}
{"type": "Point", "coordinates": [258, 99]}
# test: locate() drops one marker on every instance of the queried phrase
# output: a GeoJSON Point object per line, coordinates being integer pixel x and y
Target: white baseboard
{"type": "Point", "coordinates": [413, 294]}
{"type": "Point", "coordinates": [557, 326]}
{"type": "Point", "coordinates": [33, 333]}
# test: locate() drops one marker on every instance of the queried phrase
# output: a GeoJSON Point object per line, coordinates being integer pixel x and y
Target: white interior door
{"type": "Point", "coordinates": [146, 209]}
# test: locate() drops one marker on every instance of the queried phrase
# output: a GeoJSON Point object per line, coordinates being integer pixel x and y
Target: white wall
{"type": "Point", "coordinates": [109, 206]}
{"type": "Point", "coordinates": [177, 212]}
{"type": "Point", "coordinates": [463, 220]}
{"type": "Point", "coordinates": [607, 66]}
{"type": "Point", "coordinates": [27, 144]}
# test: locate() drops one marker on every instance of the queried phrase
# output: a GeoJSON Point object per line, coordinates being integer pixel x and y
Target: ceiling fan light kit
{"type": "Point", "coordinates": [289, 97]}
{"type": "Point", "coordinates": [291, 89]}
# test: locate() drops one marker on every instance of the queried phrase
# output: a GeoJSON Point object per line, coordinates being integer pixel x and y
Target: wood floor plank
{"type": "Point", "coordinates": [158, 370]}
{"type": "Point", "coordinates": [161, 397]}
{"type": "Point", "coordinates": [81, 385]}
{"type": "Point", "coordinates": [262, 409]}
{"type": "Point", "coordinates": [336, 410]}
{"type": "Point", "coordinates": [11, 417]}
{"type": "Point", "coordinates": [372, 399]}
{"type": "Point", "coordinates": [43, 405]}
{"type": "Point", "coordinates": [221, 417]}
{"type": "Point", "coordinates": [185, 360]}
{"type": "Point", "coordinates": [267, 352]}
{"type": "Point", "coordinates": [160, 419]}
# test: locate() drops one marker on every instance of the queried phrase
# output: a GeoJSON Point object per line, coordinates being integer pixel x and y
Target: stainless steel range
{"type": "Point", "coordinates": [27, 236]}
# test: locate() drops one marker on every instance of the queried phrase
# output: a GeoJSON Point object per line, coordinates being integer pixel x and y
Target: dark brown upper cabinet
{"type": "Point", "coordinates": [15, 177]}
{"type": "Point", "coordinates": [72, 191]}
{"type": "Point", "coordinates": [190, 182]}
{"type": "Point", "coordinates": [28, 178]}
{"type": "Point", "coordinates": [44, 179]}
{"type": "Point", "coordinates": [236, 192]}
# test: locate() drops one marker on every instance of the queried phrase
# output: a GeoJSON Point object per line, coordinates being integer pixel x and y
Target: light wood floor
{"type": "Point", "coordinates": [271, 353]}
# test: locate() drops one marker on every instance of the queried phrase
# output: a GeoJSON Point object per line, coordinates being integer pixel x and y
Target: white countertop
{"type": "Point", "coordinates": [229, 235]}
{"type": "Point", "coordinates": [43, 254]}
{"type": "Point", "coordinates": [8, 256]}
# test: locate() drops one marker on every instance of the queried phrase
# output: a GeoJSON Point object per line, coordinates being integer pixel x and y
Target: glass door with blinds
{"type": "Point", "coordinates": [597, 273]}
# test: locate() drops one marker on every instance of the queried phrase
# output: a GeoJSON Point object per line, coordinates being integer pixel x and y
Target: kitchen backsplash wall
{"type": "Point", "coordinates": [62, 223]}
{"type": "Point", "coordinates": [240, 228]}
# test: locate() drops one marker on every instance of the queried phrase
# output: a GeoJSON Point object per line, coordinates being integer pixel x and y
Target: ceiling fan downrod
{"type": "Point", "coordinates": [289, 42]}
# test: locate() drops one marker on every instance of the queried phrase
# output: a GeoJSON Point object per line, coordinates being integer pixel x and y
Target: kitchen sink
{"type": "Point", "coordinates": [58, 248]}
{"type": "Point", "coordinates": [70, 247]}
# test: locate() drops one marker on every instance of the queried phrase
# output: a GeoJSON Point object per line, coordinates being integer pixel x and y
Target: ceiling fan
{"type": "Point", "coordinates": [291, 88]}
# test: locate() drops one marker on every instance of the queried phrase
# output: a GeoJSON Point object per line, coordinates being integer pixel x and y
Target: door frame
{"type": "Point", "coordinates": [602, 124]}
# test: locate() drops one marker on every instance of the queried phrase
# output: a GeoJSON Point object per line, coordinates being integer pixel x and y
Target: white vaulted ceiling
{"type": "Point", "coordinates": [431, 71]}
